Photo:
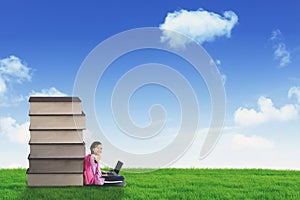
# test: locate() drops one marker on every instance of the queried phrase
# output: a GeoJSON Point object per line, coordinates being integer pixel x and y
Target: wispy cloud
{"type": "Point", "coordinates": [267, 112]}
{"type": "Point", "coordinates": [239, 142]}
{"type": "Point", "coordinates": [282, 54]}
{"type": "Point", "coordinates": [223, 76]}
{"type": "Point", "coordinates": [294, 91]}
{"type": "Point", "coordinates": [200, 25]}
{"type": "Point", "coordinates": [13, 69]}
{"type": "Point", "coordinates": [48, 92]}
{"type": "Point", "coordinates": [218, 65]}
{"type": "Point", "coordinates": [280, 50]}
{"type": "Point", "coordinates": [16, 132]}
{"type": "Point", "coordinates": [276, 35]}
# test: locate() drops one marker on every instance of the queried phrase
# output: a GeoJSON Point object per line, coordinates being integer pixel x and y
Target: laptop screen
{"type": "Point", "coordinates": [118, 167]}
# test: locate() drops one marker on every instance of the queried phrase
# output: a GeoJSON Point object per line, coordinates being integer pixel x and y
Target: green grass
{"type": "Point", "coordinates": [167, 184]}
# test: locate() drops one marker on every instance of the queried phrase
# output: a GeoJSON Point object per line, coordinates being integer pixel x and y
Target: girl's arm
{"type": "Point", "coordinates": [93, 163]}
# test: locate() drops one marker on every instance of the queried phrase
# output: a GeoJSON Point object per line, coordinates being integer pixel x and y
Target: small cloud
{"type": "Point", "coordinates": [224, 78]}
{"type": "Point", "coordinates": [218, 62]}
{"type": "Point", "coordinates": [16, 132]}
{"type": "Point", "coordinates": [276, 35]}
{"type": "Point", "coordinates": [200, 26]}
{"type": "Point", "coordinates": [13, 69]}
{"type": "Point", "coordinates": [280, 50]}
{"type": "Point", "coordinates": [254, 142]}
{"type": "Point", "coordinates": [294, 91]}
{"type": "Point", "coordinates": [282, 54]}
{"type": "Point", "coordinates": [218, 65]}
{"type": "Point", "coordinates": [48, 92]}
{"type": "Point", "coordinates": [267, 112]}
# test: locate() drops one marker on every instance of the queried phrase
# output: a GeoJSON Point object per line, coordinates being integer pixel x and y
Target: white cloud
{"type": "Point", "coordinates": [11, 166]}
{"type": "Point", "coordinates": [276, 35]}
{"type": "Point", "coordinates": [294, 91]}
{"type": "Point", "coordinates": [13, 69]}
{"type": "Point", "coordinates": [266, 113]}
{"type": "Point", "coordinates": [254, 142]}
{"type": "Point", "coordinates": [257, 152]}
{"type": "Point", "coordinates": [48, 92]}
{"type": "Point", "coordinates": [14, 66]}
{"type": "Point", "coordinates": [239, 141]}
{"type": "Point", "coordinates": [282, 54]}
{"type": "Point", "coordinates": [235, 150]}
{"type": "Point", "coordinates": [15, 132]}
{"type": "Point", "coordinates": [2, 86]}
{"type": "Point", "coordinates": [11, 100]}
{"type": "Point", "coordinates": [200, 25]}
{"type": "Point", "coordinates": [280, 51]}
{"type": "Point", "coordinates": [218, 64]}
{"type": "Point", "coordinates": [224, 78]}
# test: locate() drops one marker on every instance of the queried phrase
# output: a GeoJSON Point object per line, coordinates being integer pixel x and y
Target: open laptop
{"type": "Point", "coordinates": [116, 170]}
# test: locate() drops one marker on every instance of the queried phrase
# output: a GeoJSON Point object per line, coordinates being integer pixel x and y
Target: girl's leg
{"type": "Point", "coordinates": [114, 178]}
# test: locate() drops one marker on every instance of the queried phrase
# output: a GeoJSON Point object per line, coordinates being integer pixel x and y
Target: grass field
{"type": "Point", "coordinates": [168, 184]}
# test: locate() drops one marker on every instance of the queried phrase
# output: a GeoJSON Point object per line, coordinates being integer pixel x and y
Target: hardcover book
{"type": "Point", "coordinates": [62, 150]}
{"type": "Point", "coordinates": [55, 105]}
{"type": "Point", "coordinates": [57, 121]}
{"type": "Point", "coordinates": [56, 136]}
{"type": "Point", "coordinates": [54, 179]}
{"type": "Point", "coordinates": [56, 165]}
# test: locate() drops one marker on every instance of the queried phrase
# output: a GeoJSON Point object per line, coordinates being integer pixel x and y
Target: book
{"type": "Point", "coordinates": [55, 105]}
{"type": "Point", "coordinates": [56, 136]}
{"type": "Point", "coordinates": [54, 179]}
{"type": "Point", "coordinates": [54, 150]}
{"type": "Point", "coordinates": [56, 165]}
{"type": "Point", "coordinates": [56, 142]}
{"type": "Point", "coordinates": [62, 121]}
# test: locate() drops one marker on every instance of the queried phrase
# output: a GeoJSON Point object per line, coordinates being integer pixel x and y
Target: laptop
{"type": "Point", "coordinates": [116, 170]}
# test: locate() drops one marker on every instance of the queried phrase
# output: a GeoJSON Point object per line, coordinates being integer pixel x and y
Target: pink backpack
{"type": "Point", "coordinates": [89, 177]}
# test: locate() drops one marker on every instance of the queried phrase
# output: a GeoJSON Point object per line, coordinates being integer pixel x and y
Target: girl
{"type": "Point", "coordinates": [96, 151]}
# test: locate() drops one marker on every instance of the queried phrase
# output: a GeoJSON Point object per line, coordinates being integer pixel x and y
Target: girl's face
{"type": "Point", "coordinates": [97, 150]}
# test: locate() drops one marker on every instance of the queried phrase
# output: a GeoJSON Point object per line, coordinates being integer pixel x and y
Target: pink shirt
{"type": "Point", "coordinates": [96, 170]}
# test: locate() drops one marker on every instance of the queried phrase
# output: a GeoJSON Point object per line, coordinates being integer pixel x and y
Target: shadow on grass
{"type": "Point", "coordinates": [85, 192]}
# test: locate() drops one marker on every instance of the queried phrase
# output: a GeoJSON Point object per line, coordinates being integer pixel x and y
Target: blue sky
{"type": "Point", "coordinates": [43, 44]}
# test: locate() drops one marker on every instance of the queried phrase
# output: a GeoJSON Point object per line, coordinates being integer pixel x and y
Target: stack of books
{"type": "Point", "coordinates": [56, 142]}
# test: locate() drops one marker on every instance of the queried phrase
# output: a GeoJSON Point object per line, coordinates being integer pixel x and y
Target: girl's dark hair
{"type": "Point", "coordinates": [94, 145]}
